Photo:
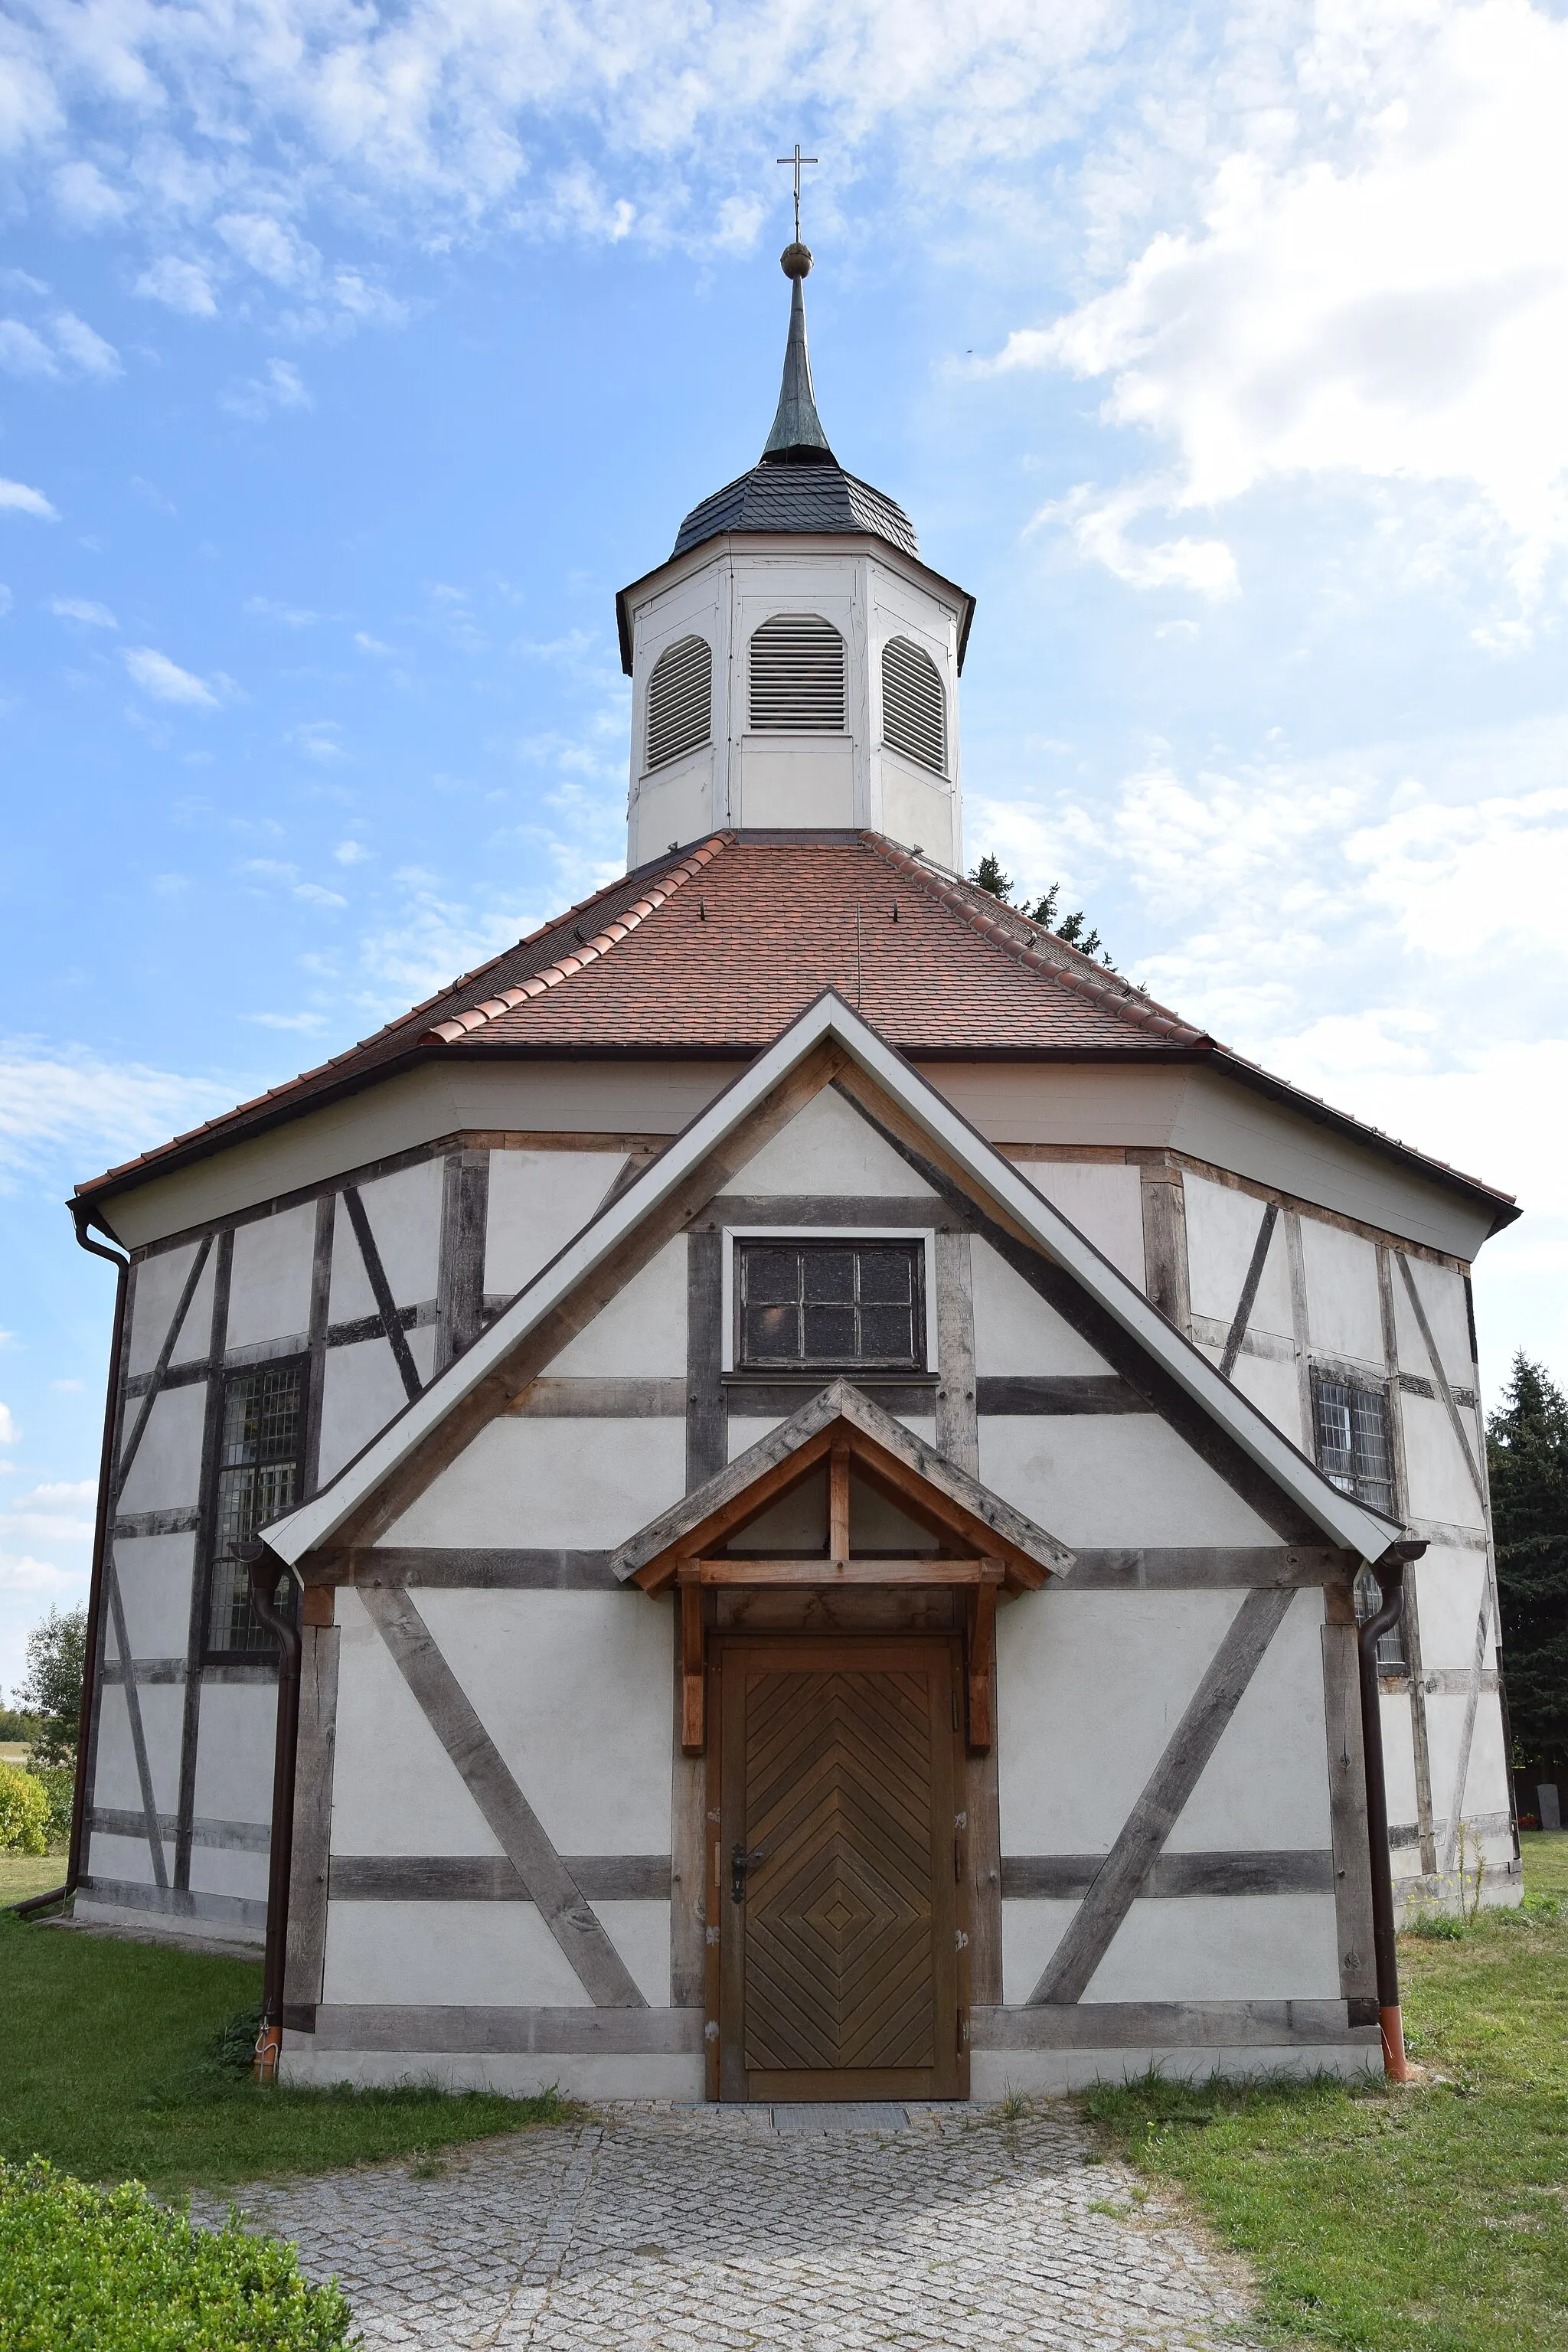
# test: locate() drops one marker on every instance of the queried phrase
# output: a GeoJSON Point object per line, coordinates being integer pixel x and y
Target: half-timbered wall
{"type": "Point", "coordinates": [374, 1280]}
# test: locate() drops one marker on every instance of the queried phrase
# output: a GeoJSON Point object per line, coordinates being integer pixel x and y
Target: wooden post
{"type": "Point", "coordinates": [838, 1506]}
{"type": "Point", "coordinates": [693, 1732]}
{"type": "Point", "coordinates": [981, 1676]}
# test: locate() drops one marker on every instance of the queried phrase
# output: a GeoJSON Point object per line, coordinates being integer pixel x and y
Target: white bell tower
{"type": "Point", "coordinates": [794, 664]}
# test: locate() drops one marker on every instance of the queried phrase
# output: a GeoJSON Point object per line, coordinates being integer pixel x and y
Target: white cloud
{"type": "Point", "coordinates": [67, 345]}
{"type": "Point", "coordinates": [181, 285]}
{"type": "Point", "coordinates": [369, 645]}
{"type": "Point", "coordinates": [313, 895]}
{"type": "Point", "coordinates": [165, 680]}
{"type": "Point", "coordinates": [306, 1023]}
{"type": "Point", "coordinates": [84, 198]}
{"type": "Point", "coordinates": [270, 246]}
{"type": "Point", "coordinates": [24, 353]}
{"type": "Point", "coordinates": [8, 1430]}
{"type": "Point", "coordinates": [20, 499]}
{"type": "Point", "coordinates": [1098, 528]}
{"type": "Point", "coordinates": [83, 346]}
{"type": "Point", "coordinates": [289, 616]}
{"type": "Point", "coordinates": [351, 852]}
{"type": "Point", "coordinates": [28, 1575]}
{"type": "Point", "coordinates": [82, 609]}
{"type": "Point", "coordinates": [66, 1110]}
{"type": "Point", "coordinates": [1377, 282]}
{"type": "Point", "coordinates": [255, 398]}
{"type": "Point", "coordinates": [318, 740]}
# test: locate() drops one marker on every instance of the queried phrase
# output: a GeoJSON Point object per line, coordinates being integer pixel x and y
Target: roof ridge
{"type": "Point", "coordinates": [1139, 1011]}
{"type": "Point", "coordinates": [631, 919]}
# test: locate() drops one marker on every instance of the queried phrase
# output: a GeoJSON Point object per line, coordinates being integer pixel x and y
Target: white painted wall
{"type": "Point", "coordinates": [1015, 1330]}
{"type": "Point", "coordinates": [540, 1484]}
{"type": "Point", "coordinates": [537, 1200]}
{"type": "Point", "coordinates": [827, 1147]}
{"type": "Point", "coordinates": [394, 1788]}
{"type": "Point", "coordinates": [166, 1471]}
{"type": "Point", "coordinates": [1342, 1311]}
{"type": "Point", "coordinates": [269, 1287]}
{"type": "Point", "coordinates": [1103, 1198]}
{"type": "Point", "coordinates": [160, 1284]}
{"type": "Point", "coordinates": [1221, 1233]}
{"type": "Point", "coordinates": [155, 1574]}
{"type": "Point", "coordinates": [361, 1390]}
{"type": "Point", "coordinates": [1116, 1478]}
{"type": "Point", "coordinates": [641, 1332]}
{"type": "Point", "coordinates": [234, 1753]}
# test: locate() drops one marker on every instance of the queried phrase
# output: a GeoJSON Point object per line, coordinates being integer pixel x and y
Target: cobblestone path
{"type": "Point", "coordinates": [808, 2230]}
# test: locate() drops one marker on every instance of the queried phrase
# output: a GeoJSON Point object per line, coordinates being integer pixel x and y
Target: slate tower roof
{"type": "Point", "coordinates": [797, 483]}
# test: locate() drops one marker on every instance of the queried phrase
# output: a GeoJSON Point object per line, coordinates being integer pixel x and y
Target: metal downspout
{"type": "Point", "coordinates": [79, 1213]}
{"type": "Point", "coordinates": [1390, 1573]}
{"type": "Point", "coordinates": [265, 1568]}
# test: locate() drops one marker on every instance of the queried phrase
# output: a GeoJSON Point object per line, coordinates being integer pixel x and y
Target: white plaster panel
{"type": "Point", "coordinates": [269, 1288]}
{"type": "Point", "coordinates": [405, 1215]}
{"type": "Point", "coordinates": [1015, 1330]}
{"type": "Point", "coordinates": [1267, 1783]}
{"type": "Point", "coordinates": [827, 1147]}
{"type": "Point", "coordinates": [155, 1574]}
{"type": "Point", "coordinates": [1221, 1233]}
{"type": "Point", "coordinates": [1444, 1730]}
{"type": "Point", "coordinates": [1089, 1688]}
{"type": "Point", "coordinates": [234, 1751]}
{"type": "Point", "coordinates": [1112, 1478]}
{"type": "Point", "coordinates": [1274, 1388]}
{"type": "Point", "coordinates": [1486, 1783]}
{"type": "Point", "coordinates": [1442, 1296]}
{"type": "Point", "coordinates": [1103, 1200]}
{"type": "Point", "coordinates": [478, 1954]}
{"type": "Point", "coordinates": [349, 1296]}
{"type": "Point", "coordinates": [799, 782]}
{"type": "Point", "coordinates": [125, 1857]}
{"type": "Point", "coordinates": [361, 1390]}
{"type": "Point", "coordinates": [1399, 1755]}
{"type": "Point", "coordinates": [160, 1282]}
{"type": "Point", "coordinates": [166, 1472]}
{"type": "Point", "coordinates": [1438, 1475]}
{"type": "Point", "coordinates": [394, 1788]}
{"type": "Point", "coordinates": [1343, 1310]}
{"type": "Point", "coordinates": [228, 1870]}
{"type": "Point", "coordinates": [673, 804]}
{"type": "Point", "coordinates": [537, 1200]}
{"type": "Point", "coordinates": [576, 1690]}
{"type": "Point", "coordinates": [1030, 1933]}
{"type": "Point", "coordinates": [586, 1484]}
{"type": "Point", "coordinates": [917, 811]}
{"type": "Point", "coordinates": [641, 1332]}
{"type": "Point", "coordinates": [1449, 1585]}
{"type": "Point", "coordinates": [745, 1432]}
{"type": "Point", "coordinates": [1223, 1948]}
{"type": "Point", "coordinates": [116, 1782]}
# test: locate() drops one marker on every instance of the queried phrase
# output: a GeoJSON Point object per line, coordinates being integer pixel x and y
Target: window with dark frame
{"type": "Point", "coordinates": [260, 1475]}
{"type": "Point", "coordinates": [830, 1306]}
{"type": "Point", "coordinates": [1354, 1452]}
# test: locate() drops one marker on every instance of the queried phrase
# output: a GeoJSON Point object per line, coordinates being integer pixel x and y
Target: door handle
{"type": "Point", "coordinates": [740, 1863]}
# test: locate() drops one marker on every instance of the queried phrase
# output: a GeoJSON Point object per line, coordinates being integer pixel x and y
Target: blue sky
{"type": "Point", "coordinates": [350, 361]}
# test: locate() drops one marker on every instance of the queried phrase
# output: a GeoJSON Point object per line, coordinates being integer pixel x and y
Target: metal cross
{"type": "Point", "coordinates": [797, 159]}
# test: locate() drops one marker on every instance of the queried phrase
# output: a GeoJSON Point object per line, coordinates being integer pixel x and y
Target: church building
{"type": "Point", "coordinates": [814, 1457]}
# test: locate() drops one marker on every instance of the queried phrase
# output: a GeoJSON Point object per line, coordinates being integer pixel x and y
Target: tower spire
{"type": "Point", "coordinates": [797, 438]}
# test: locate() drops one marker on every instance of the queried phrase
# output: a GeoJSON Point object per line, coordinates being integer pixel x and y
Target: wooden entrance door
{"type": "Point", "coordinates": [838, 1883]}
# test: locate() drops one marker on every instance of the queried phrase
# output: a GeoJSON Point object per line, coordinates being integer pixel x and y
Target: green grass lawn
{"type": "Point", "coordinates": [22, 1874]}
{"type": "Point", "coordinates": [1435, 2217]}
{"type": "Point", "coordinates": [108, 2068]}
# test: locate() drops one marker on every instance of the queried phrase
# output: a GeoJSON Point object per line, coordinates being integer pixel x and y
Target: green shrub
{"type": "Point", "coordinates": [83, 2268]}
{"type": "Point", "coordinates": [58, 1784]}
{"type": "Point", "coordinates": [24, 1812]}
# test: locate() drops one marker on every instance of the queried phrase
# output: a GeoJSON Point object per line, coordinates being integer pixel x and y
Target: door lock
{"type": "Point", "coordinates": [740, 1863]}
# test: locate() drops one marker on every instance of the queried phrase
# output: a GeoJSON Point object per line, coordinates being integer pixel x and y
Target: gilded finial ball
{"type": "Point", "coordinates": [795, 261]}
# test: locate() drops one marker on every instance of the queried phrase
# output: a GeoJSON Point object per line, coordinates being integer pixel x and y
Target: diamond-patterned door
{"type": "Point", "coordinates": [838, 1901]}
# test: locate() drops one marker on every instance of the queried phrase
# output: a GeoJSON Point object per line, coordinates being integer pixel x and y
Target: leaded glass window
{"type": "Point", "coordinates": [259, 1467]}
{"type": "Point", "coordinates": [831, 1304]}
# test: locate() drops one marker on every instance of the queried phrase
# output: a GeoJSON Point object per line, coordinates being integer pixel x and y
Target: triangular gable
{"type": "Point", "coordinates": [838, 1043]}
{"type": "Point", "coordinates": [975, 1522]}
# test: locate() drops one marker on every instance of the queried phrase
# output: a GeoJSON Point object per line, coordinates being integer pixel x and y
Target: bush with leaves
{"type": "Point", "coordinates": [24, 1812]}
{"type": "Point", "coordinates": [83, 2267]}
{"type": "Point", "coordinates": [56, 1655]}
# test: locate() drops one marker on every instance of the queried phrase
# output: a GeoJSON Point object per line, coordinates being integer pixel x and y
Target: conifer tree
{"type": "Point", "coordinates": [1527, 1459]}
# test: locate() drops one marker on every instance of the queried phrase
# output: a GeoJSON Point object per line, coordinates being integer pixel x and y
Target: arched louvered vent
{"type": "Point", "coordinates": [679, 701]}
{"type": "Point", "coordinates": [914, 708]}
{"type": "Point", "coordinates": [797, 674]}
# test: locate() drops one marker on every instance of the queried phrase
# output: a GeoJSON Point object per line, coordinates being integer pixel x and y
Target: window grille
{"type": "Point", "coordinates": [1391, 1658]}
{"type": "Point", "coordinates": [914, 708]}
{"type": "Point", "coordinates": [832, 1304]}
{"type": "Point", "coordinates": [679, 701]}
{"type": "Point", "coordinates": [797, 675]}
{"type": "Point", "coordinates": [1353, 1440]}
{"type": "Point", "coordinates": [259, 1470]}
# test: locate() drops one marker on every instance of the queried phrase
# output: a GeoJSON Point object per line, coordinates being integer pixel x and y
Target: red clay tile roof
{"type": "Point", "coordinates": [714, 954]}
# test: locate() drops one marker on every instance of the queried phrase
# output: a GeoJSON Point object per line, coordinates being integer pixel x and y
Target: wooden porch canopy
{"type": "Point", "coordinates": [959, 1535]}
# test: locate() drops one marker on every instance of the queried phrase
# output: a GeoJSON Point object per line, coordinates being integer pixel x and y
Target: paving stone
{"type": "Point", "coordinates": [669, 2228]}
